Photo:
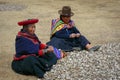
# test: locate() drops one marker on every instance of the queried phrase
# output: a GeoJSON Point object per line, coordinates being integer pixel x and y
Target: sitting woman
{"type": "Point", "coordinates": [33, 57]}
{"type": "Point", "coordinates": [64, 34]}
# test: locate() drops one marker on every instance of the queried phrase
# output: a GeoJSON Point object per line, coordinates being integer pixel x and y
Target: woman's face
{"type": "Point", "coordinates": [31, 29]}
{"type": "Point", "coordinates": [66, 19]}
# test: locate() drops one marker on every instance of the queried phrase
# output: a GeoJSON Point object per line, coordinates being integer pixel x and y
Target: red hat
{"type": "Point", "coordinates": [26, 22]}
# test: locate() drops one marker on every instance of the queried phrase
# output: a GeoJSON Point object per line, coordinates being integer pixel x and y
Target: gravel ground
{"type": "Point", "coordinates": [83, 65]}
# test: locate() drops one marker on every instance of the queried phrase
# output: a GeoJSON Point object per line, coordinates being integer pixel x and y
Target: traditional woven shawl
{"type": "Point", "coordinates": [33, 38]}
{"type": "Point", "coordinates": [58, 24]}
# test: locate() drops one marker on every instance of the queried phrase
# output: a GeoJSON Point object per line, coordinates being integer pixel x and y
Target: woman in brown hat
{"type": "Point", "coordinates": [64, 34]}
{"type": "Point", "coordinates": [32, 56]}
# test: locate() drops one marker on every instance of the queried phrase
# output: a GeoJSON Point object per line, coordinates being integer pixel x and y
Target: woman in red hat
{"type": "Point", "coordinates": [64, 34]}
{"type": "Point", "coordinates": [32, 56]}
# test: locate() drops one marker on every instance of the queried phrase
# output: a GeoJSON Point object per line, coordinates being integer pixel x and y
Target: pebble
{"type": "Point", "coordinates": [83, 65]}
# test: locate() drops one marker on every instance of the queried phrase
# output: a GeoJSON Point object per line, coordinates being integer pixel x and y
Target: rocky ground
{"type": "Point", "coordinates": [83, 65]}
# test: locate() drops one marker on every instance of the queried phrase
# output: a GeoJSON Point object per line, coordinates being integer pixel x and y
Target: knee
{"type": "Point", "coordinates": [31, 59]}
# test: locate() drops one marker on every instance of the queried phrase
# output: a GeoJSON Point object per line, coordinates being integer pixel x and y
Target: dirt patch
{"type": "Point", "coordinates": [4, 6]}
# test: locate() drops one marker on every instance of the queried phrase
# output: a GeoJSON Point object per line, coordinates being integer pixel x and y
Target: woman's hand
{"type": "Point", "coordinates": [73, 35]}
{"type": "Point", "coordinates": [46, 50]}
{"type": "Point", "coordinates": [78, 35]}
{"type": "Point", "coordinates": [50, 49]}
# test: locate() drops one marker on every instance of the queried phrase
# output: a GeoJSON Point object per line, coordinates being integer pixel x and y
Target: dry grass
{"type": "Point", "coordinates": [98, 20]}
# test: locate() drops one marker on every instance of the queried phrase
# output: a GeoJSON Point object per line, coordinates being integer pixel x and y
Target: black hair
{"type": "Point", "coordinates": [61, 17]}
{"type": "Point", "coordinates": [25, 28]}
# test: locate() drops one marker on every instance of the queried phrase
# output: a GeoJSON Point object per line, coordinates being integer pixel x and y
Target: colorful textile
{"type": "Point", "coordinates": [57, 52]}
{"type": "Point", "coordinates": [58, 24]}
{"type": "Point", "coordinates": [28, 60]}
{"type": "Point", "coordinates": [33, 38]}
{"type": "Point", "coordinates": [65, 33]}
{"type": "Point", "coordinates": [26, 45]}
{"type": "Point", "coordinates": [33, 65]}
{"type": "Point", "coordinates": [61, 39]}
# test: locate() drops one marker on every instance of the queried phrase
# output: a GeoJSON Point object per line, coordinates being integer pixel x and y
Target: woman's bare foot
{"type": "Point", "coordinates": [90, 48]}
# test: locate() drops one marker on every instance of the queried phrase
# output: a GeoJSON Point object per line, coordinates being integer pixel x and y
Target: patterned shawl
{"type": "Point", "coordinates": [58, 24]}
{"type": "Point", "coordinates": [33, 38]}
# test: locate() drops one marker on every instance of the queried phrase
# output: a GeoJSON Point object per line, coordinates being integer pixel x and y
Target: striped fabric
{"type": "Point", "coordinates": [58, 24]}
{"type": "Point", "coordinates": [57, 52]}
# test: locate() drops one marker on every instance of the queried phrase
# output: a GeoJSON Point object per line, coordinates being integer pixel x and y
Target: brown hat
{"type": "Point", "coordinates": [66, 11]}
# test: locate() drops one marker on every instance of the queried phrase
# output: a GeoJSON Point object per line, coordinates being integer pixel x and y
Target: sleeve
{"type": "Point", "coordinates": [76, 30]}
{"type": "Point", "coordinates": [40, 52]}
{"type": "Point", "coordinates": [43, 46]}
{"type": "Point", "coordinates": [42, 49]}
{"type": "Point", "coordinates": [25, 46]}
{"type": "Point", "coordinates": [62, 34]}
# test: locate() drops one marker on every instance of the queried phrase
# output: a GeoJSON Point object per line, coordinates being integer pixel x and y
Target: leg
{"type": "Point", "coordinates": [88, 46]}
{"type": "Point", "coordinates": [60, 44]}
{"type": "Point", "coordinates": [51, 59]}
{"type": "Point", "coordinates": [16, 66]}
{"type": "Point", "coordinates": [32, 66]}
{"type": "Point", "coordinates": [84, 43]}
{"type": "Point", "coordinates": [28, 66]}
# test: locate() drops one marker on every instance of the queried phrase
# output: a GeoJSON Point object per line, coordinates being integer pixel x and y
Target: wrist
{"type": "Point", "coordinates": [45, 50]}
{"type": "Point", "coordinates": [70, 36]}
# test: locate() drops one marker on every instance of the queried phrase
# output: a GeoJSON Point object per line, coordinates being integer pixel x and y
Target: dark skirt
{"type": "Point", "coordinates": [69, 44]}
{"type": "Point", "coordinates": [35, 65]}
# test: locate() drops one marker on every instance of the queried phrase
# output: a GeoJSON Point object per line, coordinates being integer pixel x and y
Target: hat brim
{"type": "Point", "coordinates": [60, 12]}
{"type": "Point", "coordinates": [26, 22]}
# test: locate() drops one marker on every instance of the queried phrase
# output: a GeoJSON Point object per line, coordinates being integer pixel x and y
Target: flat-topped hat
{"type": "Point", "coordinates": [66, 11]}
{"type": "Point", "coordinates": [27, 22]}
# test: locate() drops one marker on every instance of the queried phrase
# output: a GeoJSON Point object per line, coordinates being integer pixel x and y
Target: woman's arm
{"type": "Point", "coordinates": [62, 34]}
{"type": "Point", "coordinates": [24, 45]}
{"type": "Point", "coordinates": [76, 30]}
